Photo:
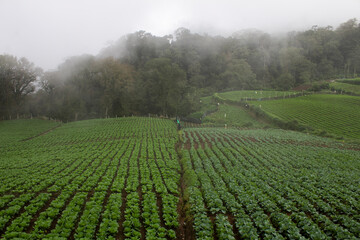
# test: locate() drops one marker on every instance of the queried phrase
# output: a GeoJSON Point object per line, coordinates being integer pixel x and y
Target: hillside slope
{"type": "Point", "coordinates": [335, 114]}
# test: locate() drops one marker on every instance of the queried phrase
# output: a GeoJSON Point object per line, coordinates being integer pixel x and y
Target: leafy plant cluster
{"type": "Point", "coordinates": [21, 129]}
{"type": "Point", "coordinates": [254, 95]}
{"type": "Point", "coordinates": [329, 114]}
{"type": "Point", "coordinates": [274, 187]}
{"type": "Point", "coordinates": [346, 86]}
{"type": "Point", "coordinates": [101, 179]}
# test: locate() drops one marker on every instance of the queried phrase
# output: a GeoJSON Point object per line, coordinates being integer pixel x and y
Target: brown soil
{"type": "Point", "coordinates": [231, 219]}
{"type": "Point", "coordinates": [142, 228]}
{"type": "Point", "coordinates": [185, 230]}
{"type": "Point", "coordinates": [47, 205]}
{"type": "Point", "coordinates": [90, 195]}
{"type": "Point", "coordinates": [18, 214]}
{"type": "Point", "coordinates": [108, 192]}
{"type": "Point", "coordinates": [54, 222]}
{"type": "Point", "coordinates": [120, 234]}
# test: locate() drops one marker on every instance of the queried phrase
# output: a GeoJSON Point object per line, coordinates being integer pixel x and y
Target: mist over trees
{"type": "Point", "coordinates": [17, 79]}
{"type": "Point", "coordinates": [143, 74]}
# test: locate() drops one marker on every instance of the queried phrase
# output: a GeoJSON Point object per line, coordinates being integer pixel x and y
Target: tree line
{"type": "Point", "coordinates": [143, 74]}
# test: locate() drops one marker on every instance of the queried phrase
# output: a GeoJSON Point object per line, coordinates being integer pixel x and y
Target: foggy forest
{"type": "Point", "coordinates": [142, 74]}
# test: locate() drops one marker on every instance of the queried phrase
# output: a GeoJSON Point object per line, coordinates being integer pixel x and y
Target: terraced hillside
{"type": "Point", "coordinates": [232, 116]}
{"type": "Point", "coordinates": [336, 114]}
{"type": "Point", "coordinates": [347, 85]}
{"type": "Point", "coordinates": [16, 130]}
{"type": "Point", "coordinates": [245, 95]}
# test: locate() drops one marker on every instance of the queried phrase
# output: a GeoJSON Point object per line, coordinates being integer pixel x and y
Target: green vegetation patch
{"type": "Point", "coordinates": [335, 114]}
{"type": "Point", "coordinates": [346, 87]}
{"type": "Point", "coordinates": [93, 179]}
{"type": "Point", "coordinates": [17, 130]}
{"type": "Point", "coordinates": [207, 106]}
{"type": "Point", "coordinates": [291, 186]}
{"type": "Point", "coordinates": [134, 178]}
{"type": "Point", "coordinates": [238, 96]}
{"type": "Point", "coordinates": [354, 81]}
{"type": "Point", "coordinates": [232, 116]}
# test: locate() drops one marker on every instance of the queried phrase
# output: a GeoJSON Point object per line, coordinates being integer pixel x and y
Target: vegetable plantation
{"type": "Point", "coordinates": [232, 116]}
{"type": "Point", "coordinates": [274, 184]}
{"type": "Point", "coordinates": [336, 114]}
{"type": "Point", "coordinates": [138, 178]}
{"type": "Point", "coordinates": [237, 96]}
{"type": "Point", "coordinates": [103, 179]}
{"type": "Point", "coordinates": [346, 87]}
{"type": "Point", "coordinates": [21, 129]}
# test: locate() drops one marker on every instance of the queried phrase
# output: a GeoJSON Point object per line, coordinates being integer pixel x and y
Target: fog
{"type": "Point", "coordinates": [48, 32]}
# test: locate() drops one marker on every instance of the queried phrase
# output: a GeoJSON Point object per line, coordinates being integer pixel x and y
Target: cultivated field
{"type": "Point", "coordinates": [101, 179]}
{"type": "Point", "coordinates": [336, 114]}
{"type": "Point", "coordinates": [346, 87]}
{"type": "Point", "coordinates": [138, 178]}
{"type": "Point", "coordinates": [232, 116]}
{"type": "Point", "coordinates": [16, 130]}
{"type": "Point", "coordinates": [270, 184]}
{"type": "Point", "coordinates": [244, 95]}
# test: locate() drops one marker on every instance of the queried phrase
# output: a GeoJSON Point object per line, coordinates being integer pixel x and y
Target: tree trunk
{"type": "Point", "coordinates": [344, 70]}
{"type": "Point", "coordinates": [354, 71]}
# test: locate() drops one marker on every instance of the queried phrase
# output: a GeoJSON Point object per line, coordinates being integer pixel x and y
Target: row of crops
{"type": "Point", "coordinates": [248, 95]}
{"type": "Point", "coordinates": [323, 114]}
{"type": "Point", "coordinates": [21, 129]}
{"type": "Point", "coordinates": [256, 186]}
{"type": "Point", "coordinates": [132, 178]}
{"type": "Point", "coordinates": [347, 85]}
{"type": "Point", "coordinates": [98, 179]}
{"type": "Point", "coordinates": [336, 114]}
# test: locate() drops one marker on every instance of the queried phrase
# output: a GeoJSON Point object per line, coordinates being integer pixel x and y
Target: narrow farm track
{"type": "Point", "coordinates": [40, 134]}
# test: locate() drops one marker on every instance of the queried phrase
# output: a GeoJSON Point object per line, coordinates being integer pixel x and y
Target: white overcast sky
{"type": "Point", "coordinates": [49, 31]}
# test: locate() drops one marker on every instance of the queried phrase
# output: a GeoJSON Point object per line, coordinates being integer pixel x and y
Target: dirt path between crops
{"type": "Point", "coordinates": [40, 134]}
{"type": "Point", "coordinates": [185, 230]}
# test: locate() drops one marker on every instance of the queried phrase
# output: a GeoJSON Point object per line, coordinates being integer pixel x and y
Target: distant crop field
{"type": "Point", "coordinates": [232, 116]}
{"type": "Point", "coordinates": [336, 114]}
{"type": "Point", "coordinates": [346, 87]}
{"type": "Point", "coordinates": [354, 81]}
{"type": "Point", "coordinates": [206, 106]}
{"type": "Point", "coordinates": [254, 94]}
{"type": "Point", "coordinates": [17, 130]}
{"type": "Point", "coordinates": [140, 178]}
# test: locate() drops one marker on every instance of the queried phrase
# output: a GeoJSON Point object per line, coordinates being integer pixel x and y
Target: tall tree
{"type": "Point", "coordinates": [294, 63]}
{"type": "Point", "coordinates": [238, 75]}
{"type": "Point", "coordinates": [164, 87]}
{"type": "Point", "coordinates": [349, 43]}
{"type": "Point", "coordinates": [17, 77]}
{"type": "Point", "coordinates": [116, 82]}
